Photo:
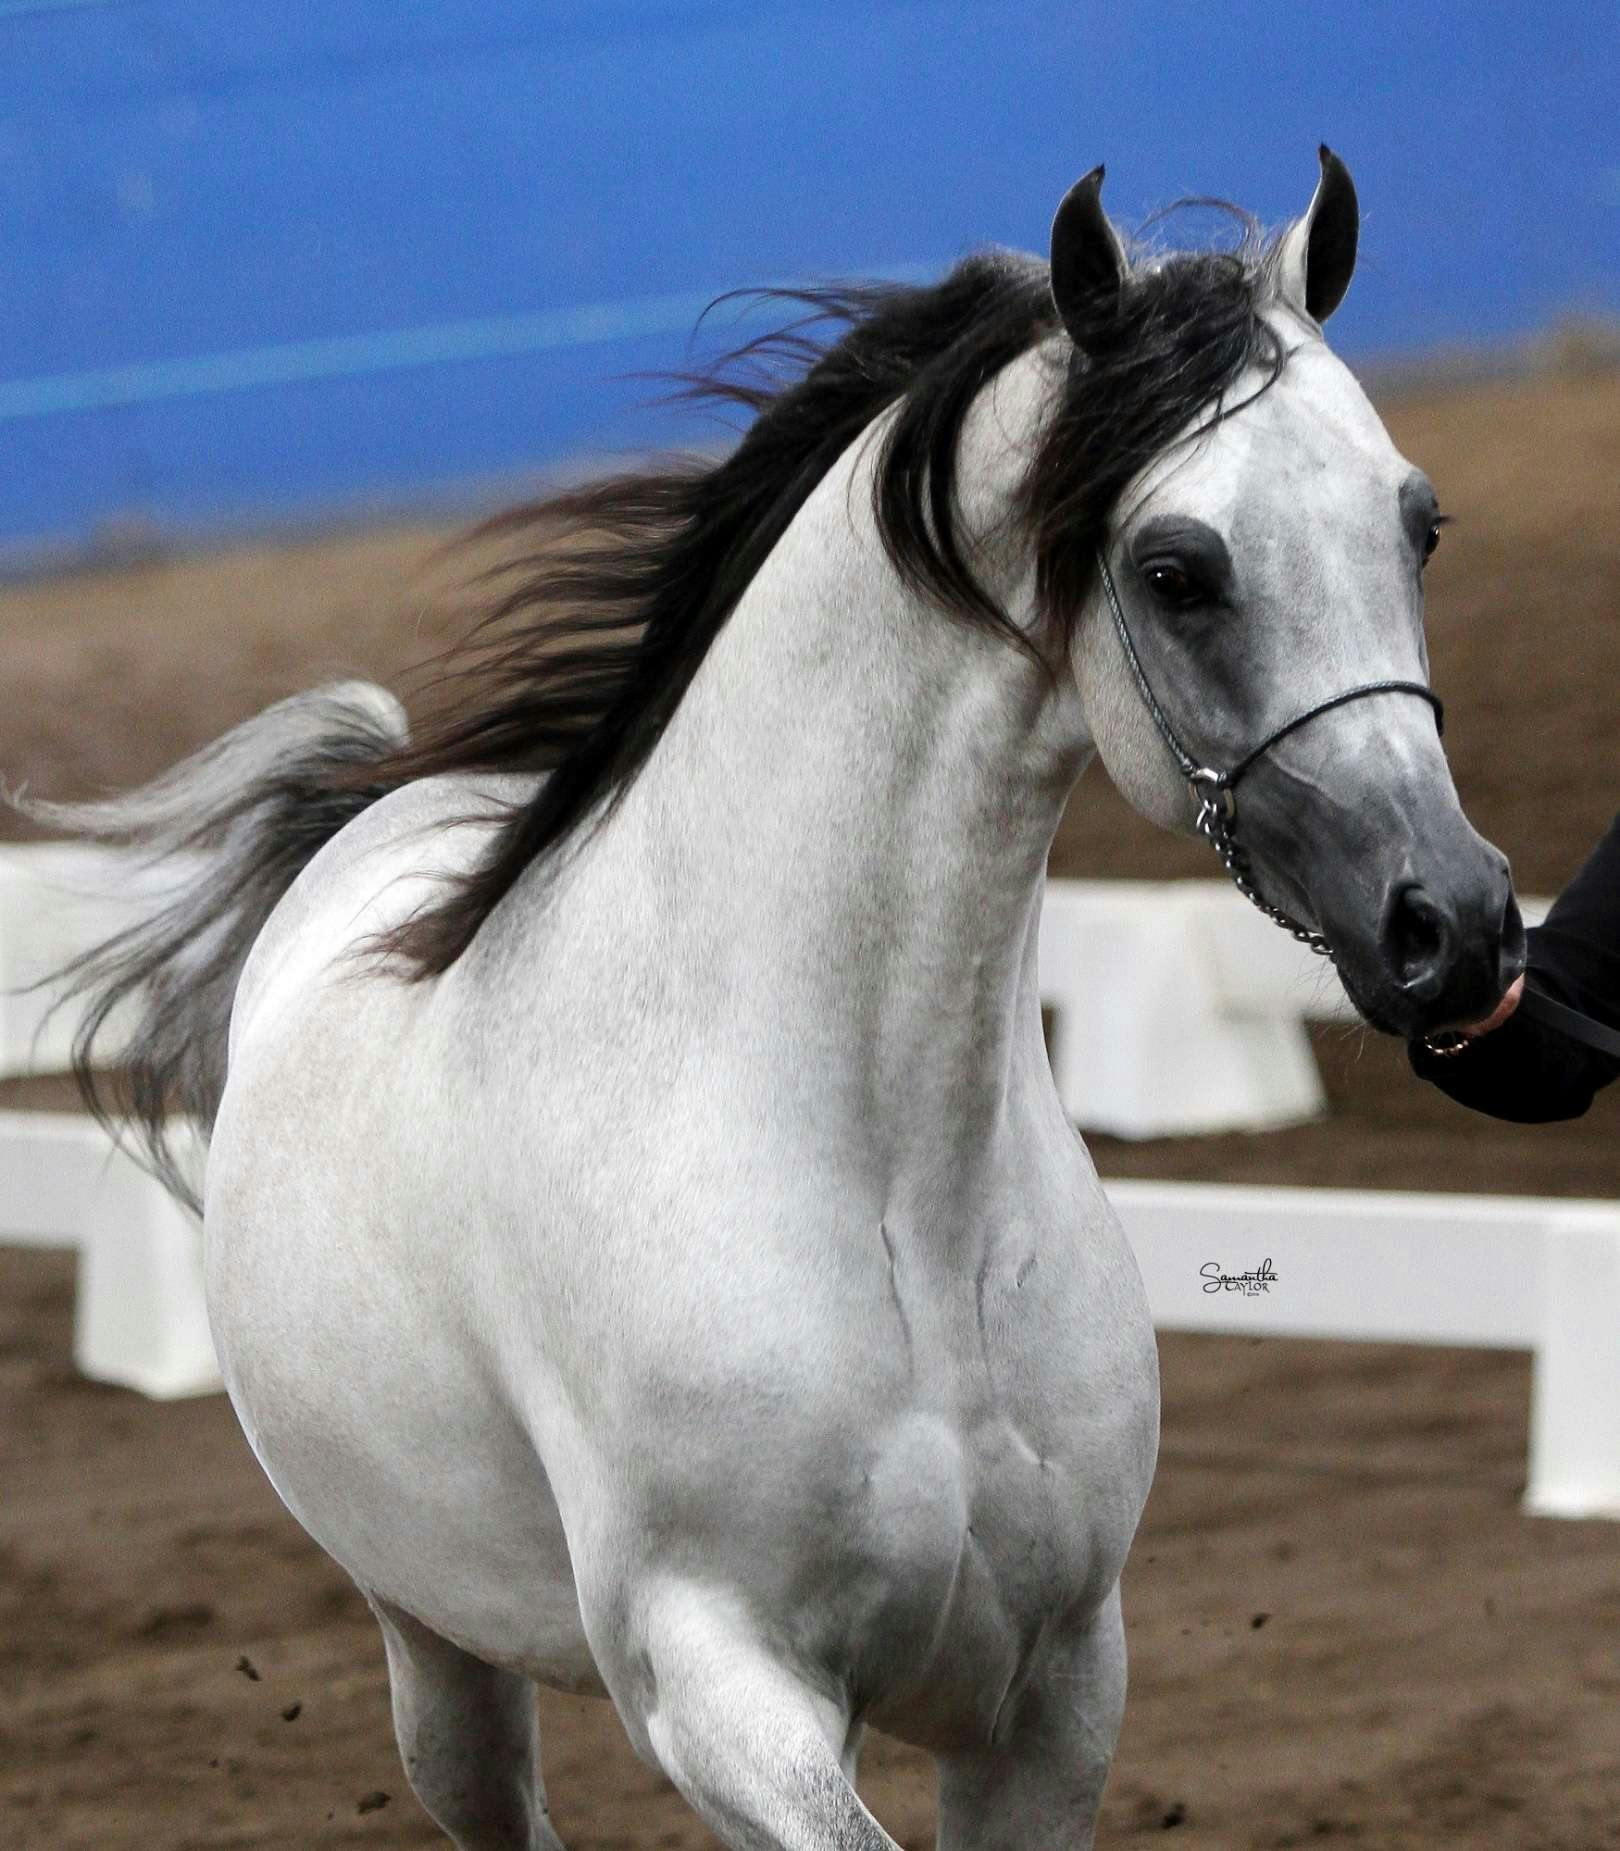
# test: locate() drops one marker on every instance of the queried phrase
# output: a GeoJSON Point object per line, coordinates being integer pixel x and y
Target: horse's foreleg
{"type": "Point", "coordinates": [754, 1749]}
{"type": "Point", "coordinates": [1041, 1789]}
{"type": "Point", "coordinates": [469, 1739]}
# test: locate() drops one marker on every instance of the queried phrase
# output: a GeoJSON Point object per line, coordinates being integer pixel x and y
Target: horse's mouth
{"type": "Point", "coordinates": [1473, 984]}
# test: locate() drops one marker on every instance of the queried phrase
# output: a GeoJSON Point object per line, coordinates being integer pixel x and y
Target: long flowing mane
{"type": "Point", "coordinates": [619, 588]}
{"type": "Point", "coordinates": [606, 617]}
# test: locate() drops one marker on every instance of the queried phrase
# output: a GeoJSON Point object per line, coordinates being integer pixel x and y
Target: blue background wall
{"type": "Point", "coordinates": [266, 258]}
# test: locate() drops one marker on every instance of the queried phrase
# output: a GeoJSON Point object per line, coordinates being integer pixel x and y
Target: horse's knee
{"type": "Point", "coordinates": [1040, 1786]}
{"type": "Point", "coordinates": [753, 1746]}
{"type": "Point", "coordinates": [468, 1739]}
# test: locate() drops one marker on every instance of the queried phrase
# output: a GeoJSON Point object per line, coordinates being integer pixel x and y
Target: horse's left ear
{"type": "Point", "coordinates": [1318, 252]}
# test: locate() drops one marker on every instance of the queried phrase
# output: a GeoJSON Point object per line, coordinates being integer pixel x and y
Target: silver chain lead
{"type": "Point", "coordinates": [1213, 825]}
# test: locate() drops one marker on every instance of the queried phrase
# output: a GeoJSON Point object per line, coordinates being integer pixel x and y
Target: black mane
{"type": "Point", "coordinates": [603, 623]}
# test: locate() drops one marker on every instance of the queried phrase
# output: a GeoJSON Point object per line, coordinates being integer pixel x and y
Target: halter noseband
{"type": "Point", "coordinates": [1214, 791]}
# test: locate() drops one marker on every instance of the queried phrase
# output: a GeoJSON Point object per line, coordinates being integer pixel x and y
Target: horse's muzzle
{"type": "Point", "coordinates": [1446, 949]}
{"type": "Point", "coordinates": [1439, 959]}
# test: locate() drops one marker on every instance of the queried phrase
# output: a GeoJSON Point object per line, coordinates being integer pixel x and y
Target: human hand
{"type": "Point", "coordinates": [1505, 1008]}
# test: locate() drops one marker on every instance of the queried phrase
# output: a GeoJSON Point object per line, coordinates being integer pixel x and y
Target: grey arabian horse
{"type": "Point", "coordinates": [644, 1245]}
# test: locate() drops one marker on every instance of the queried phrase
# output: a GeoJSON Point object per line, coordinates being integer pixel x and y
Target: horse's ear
{"type": "Point", "coordinates": [1089, 264]}
{"type": "Point", "coordinates": [1318, 252]}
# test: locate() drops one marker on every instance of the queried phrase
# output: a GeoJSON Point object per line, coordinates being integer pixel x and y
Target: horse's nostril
{"type": "Point", "coordinates": [1417, 940]}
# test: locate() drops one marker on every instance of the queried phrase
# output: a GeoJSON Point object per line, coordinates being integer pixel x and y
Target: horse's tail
{"type": "Point", "coordinates": [225, 834]}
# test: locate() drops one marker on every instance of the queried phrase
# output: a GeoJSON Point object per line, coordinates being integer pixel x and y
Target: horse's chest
{"type": "Point", "coordinates": [981, 1593]}
{"type": "Point", "coordinates": [1040, 1471]}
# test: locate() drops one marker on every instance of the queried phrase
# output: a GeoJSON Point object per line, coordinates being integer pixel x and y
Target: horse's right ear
{"type": "Point", "coordinates": [1089, 264]}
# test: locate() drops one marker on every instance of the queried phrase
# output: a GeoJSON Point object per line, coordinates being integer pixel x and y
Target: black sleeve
{"type": "Point", "coordinates": [1524, 1070]}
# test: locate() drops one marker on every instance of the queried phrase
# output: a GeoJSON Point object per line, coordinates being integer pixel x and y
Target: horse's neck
{"type": "Point", "coordinates": [854, 805]}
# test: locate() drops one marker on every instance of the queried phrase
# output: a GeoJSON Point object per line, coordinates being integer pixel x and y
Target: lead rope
{"type": "Point", "coordinates": [1213, 791]}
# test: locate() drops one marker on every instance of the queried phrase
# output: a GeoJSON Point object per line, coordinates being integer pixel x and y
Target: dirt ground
{"type": "Point", "coordinates": [1428, 1667]}
{"type": "Point", "coordinates": [1342, 1630]}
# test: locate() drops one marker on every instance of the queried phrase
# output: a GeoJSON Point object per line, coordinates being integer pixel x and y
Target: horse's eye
{"type": "Point", "coordinates": [1171, 585]}
{"type": "Point", "coordinates": [1431, 539]}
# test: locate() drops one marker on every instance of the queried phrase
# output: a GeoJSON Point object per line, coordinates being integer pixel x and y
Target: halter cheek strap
{"type": "Point", "coordinates": [1214, 791]}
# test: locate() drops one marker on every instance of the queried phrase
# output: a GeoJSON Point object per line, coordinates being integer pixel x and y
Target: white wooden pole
{"type": "Point", "coordinates": [1575, 1397]}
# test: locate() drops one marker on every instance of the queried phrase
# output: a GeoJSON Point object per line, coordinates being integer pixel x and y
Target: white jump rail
{"type": "Point", "coordinates": [139, 1317]}
{"type": "Point", "coordinates": [1500, 1272]}
{"type": "Point", "coordinates": [56, 900]}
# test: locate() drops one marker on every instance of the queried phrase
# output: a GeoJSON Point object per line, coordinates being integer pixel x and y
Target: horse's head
{"type": "Point", "coordinates": [1268, 558]}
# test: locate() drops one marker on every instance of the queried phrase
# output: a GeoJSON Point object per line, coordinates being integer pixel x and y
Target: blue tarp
{"type": "Point", "coordinates": [270, 258]}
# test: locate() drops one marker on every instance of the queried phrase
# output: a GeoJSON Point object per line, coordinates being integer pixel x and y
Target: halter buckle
{"type": "Point", "coordinates": [1210, 790]}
